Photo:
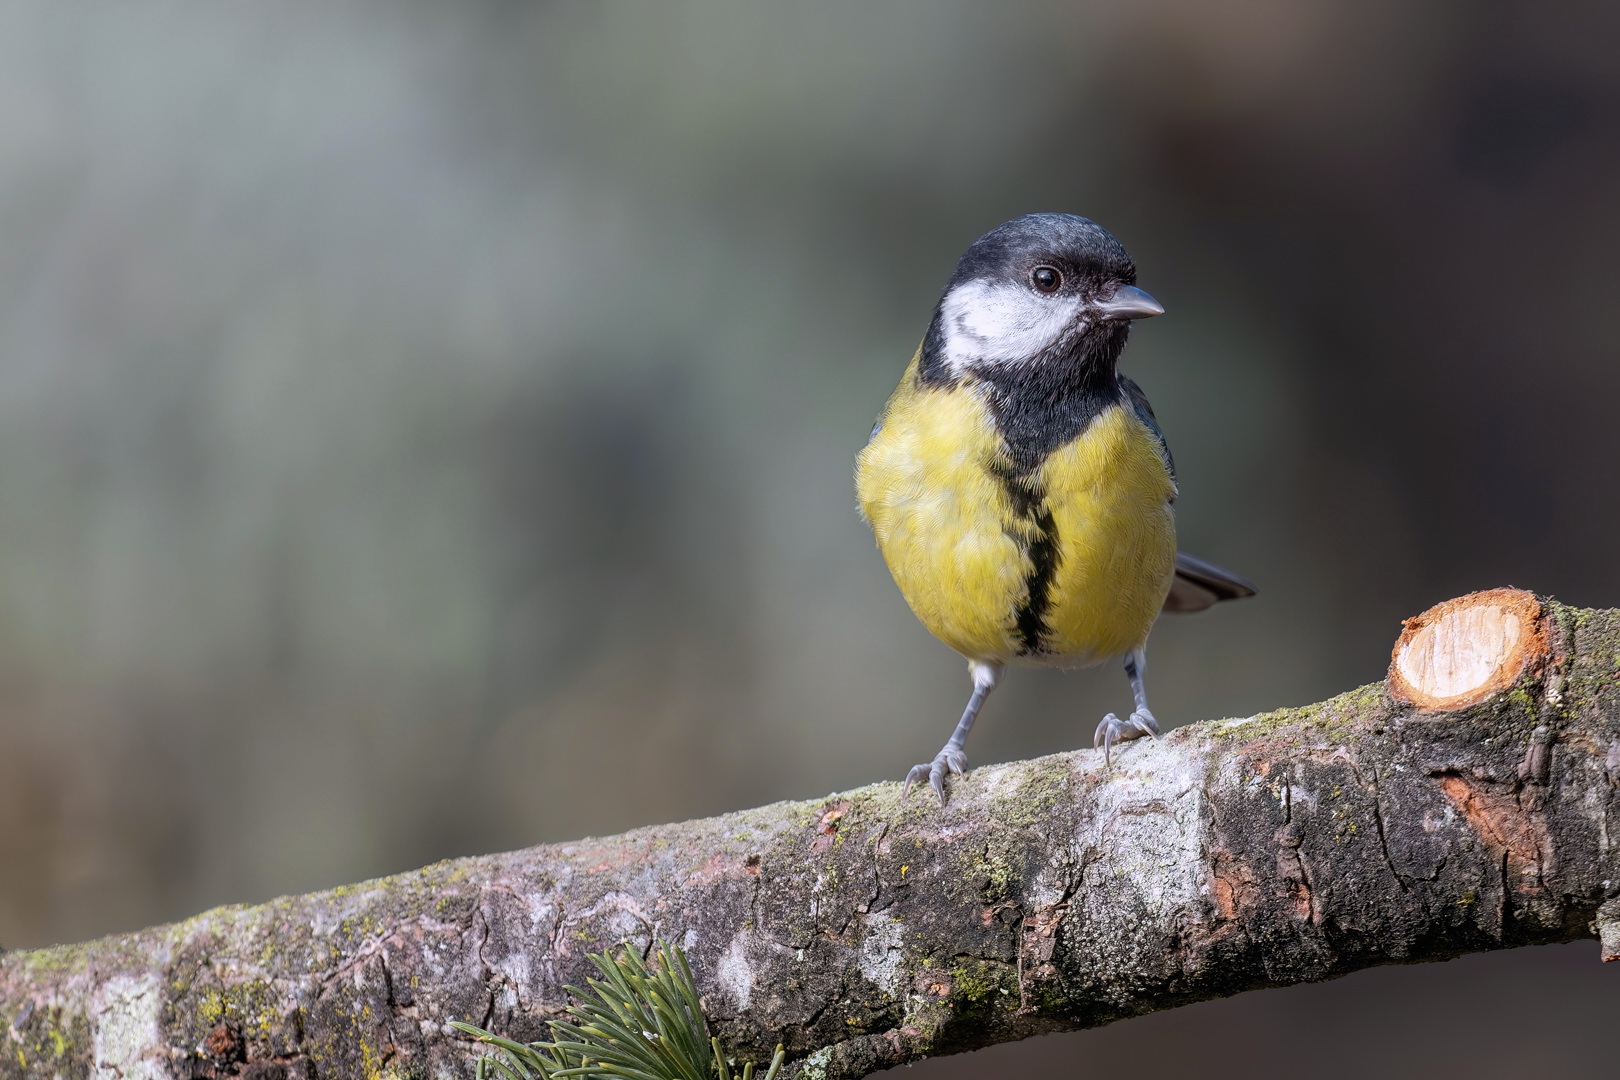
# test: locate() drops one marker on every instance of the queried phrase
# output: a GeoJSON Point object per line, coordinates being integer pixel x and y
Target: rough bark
{"type": "Point", "coordinates": [1050, 895]}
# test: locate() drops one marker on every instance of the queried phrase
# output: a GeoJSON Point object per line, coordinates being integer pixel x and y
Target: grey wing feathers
{"type": "Point", "coordinates": [1144, 413]}
{"type": "Point", "coordinates": [1198, 585]}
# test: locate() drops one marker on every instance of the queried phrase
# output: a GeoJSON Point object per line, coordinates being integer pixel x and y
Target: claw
{"type": "Point", "coordinates": [918, 772]}
{"type": "Point", "coordinates": [1104, 736]}
{"type": "Point", "coordinates": [946, 762]}
{"type": "Point", "coordinates": [1113, 729]}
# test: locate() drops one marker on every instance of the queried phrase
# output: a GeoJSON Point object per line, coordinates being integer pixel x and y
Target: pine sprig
{"type": "Point", "coordinates": [633, 1023]}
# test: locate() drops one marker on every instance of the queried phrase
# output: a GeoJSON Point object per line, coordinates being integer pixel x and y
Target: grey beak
{"type": "Point", "coordinates": [1129, 302]}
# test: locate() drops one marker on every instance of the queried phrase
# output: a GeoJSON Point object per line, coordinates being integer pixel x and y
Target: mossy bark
{"type": "Point", "coordinates": [863, 932]}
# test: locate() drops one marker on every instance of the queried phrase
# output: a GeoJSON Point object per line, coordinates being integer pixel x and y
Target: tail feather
{"type": "Point", "coordinates": [1199, 584]}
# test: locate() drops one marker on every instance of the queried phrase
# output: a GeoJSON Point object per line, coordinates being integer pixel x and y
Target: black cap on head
{"type": "Point", "coordinates": [1087, 254]}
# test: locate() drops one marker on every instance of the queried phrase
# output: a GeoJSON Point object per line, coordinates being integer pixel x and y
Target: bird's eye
{"type": "Point", "coordinates": [1045, 279]}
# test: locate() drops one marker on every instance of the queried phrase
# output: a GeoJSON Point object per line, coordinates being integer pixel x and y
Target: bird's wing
{"type": "Point", "coordinates": [1144, 412]}
{"type": "Point", "coordinates": [1198, 585]}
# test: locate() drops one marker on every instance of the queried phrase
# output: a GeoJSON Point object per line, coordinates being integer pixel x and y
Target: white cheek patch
{"type": "Point", "coordinates": [999, 324]}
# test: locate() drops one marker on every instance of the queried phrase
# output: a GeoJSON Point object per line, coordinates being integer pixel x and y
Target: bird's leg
{"type": "Point", "coordinates": [1113, 729]}
{"type": "Point", "coordinates": [950, 758]}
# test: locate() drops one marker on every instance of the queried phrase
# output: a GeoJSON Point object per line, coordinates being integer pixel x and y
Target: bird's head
{"type": "Point", "coordinates": [1041, 290]}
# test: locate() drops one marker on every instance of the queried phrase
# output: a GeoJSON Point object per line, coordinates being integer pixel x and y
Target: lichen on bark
{"type": "Point", "coordinates": [863, 932]}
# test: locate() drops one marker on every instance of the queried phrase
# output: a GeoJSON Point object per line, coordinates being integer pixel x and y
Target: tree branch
{"type": "Point", "coordinates": [1050, 895]}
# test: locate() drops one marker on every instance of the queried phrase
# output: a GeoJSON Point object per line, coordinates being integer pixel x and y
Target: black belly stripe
{"type": "Point", "coordinates": [1037, 539]}
{"type": "Point", "coordinates": [1030, 618]}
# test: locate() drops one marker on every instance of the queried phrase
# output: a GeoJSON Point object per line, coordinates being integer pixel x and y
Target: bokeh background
{"type": "Point", "coordinates": [426, 429]}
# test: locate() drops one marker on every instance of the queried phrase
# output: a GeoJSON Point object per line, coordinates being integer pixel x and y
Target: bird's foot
{"type": "Point", "coordinates": [948, 760]}
{"type": "Point", "coordinates": [1113, 730]}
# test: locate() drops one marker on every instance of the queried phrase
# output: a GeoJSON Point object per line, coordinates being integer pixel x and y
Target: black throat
{"type": "Point", "coordinates": [1046, 402]}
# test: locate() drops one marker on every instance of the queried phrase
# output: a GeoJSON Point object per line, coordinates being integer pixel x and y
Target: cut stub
{"type": "Point", "coordinates": [1607, 926]}
{"type": "Point", "coordinates": [1464, 650]}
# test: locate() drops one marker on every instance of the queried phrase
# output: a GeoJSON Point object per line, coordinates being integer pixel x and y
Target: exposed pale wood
{"type": "Point", "coordinates": [1462, 651]}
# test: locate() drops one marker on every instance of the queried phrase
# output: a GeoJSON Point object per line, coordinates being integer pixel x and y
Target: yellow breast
{"type": "Point", "coordinates": [1109, 492]}
{"type": "Point", "coordinates": [1088, 563]}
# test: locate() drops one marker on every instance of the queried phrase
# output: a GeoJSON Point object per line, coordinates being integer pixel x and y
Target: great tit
{"type": "Point", "coordinates": [1019, 486]}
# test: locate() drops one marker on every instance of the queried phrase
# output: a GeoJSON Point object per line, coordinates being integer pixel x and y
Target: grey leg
{"type": "Point", "coordinates": [1113, 729]}
{"type": "Point", "coordinates": [950, 758]}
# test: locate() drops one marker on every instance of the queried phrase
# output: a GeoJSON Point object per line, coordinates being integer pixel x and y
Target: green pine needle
{"type": "Point", "coordinates": [633, 1024]}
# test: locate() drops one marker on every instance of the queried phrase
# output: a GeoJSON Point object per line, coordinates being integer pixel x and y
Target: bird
{"type": "Point", "coordinates": [1019, 486]}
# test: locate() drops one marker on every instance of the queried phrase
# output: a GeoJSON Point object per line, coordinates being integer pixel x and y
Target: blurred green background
{"type": "Point", "coordinates": [426, 429]}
